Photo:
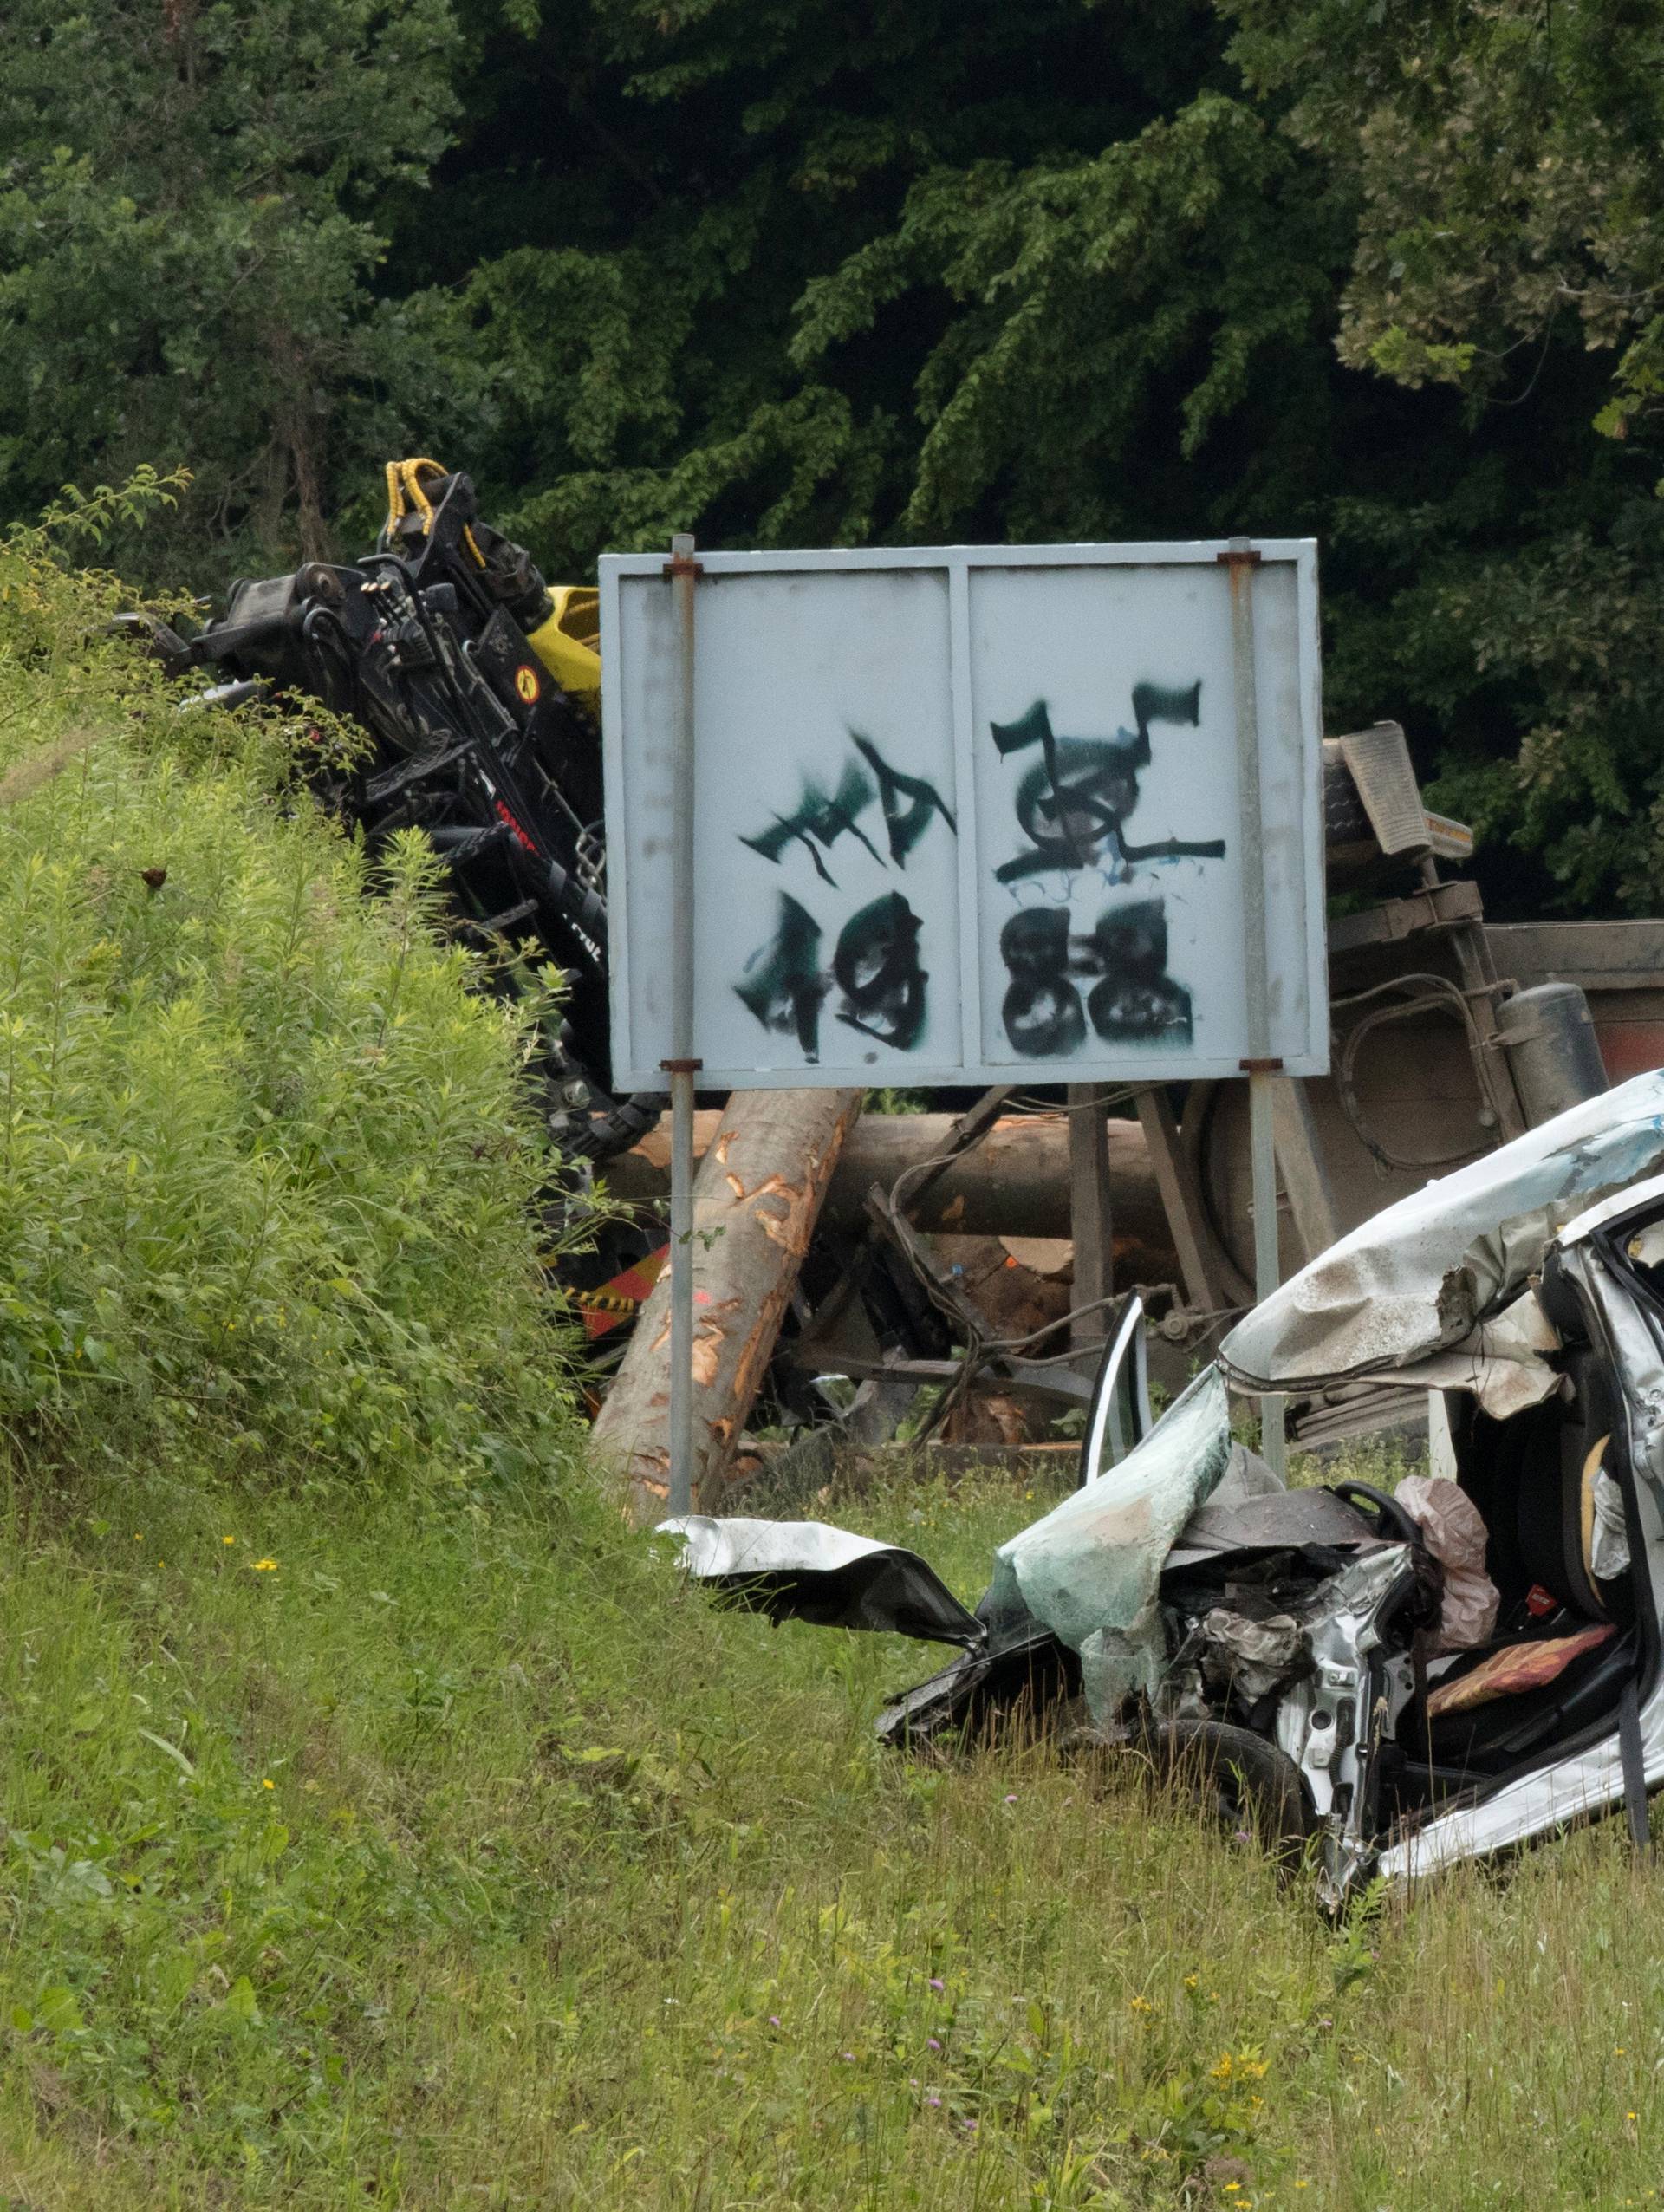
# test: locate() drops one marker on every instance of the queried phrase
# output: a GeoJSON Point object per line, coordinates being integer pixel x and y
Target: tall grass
{"type": "Point", "coordinates": [264, 1162]}
{"type": "Point", "coordinates": [468, 1858]}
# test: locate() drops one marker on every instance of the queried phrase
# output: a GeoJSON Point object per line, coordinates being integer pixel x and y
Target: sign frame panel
{"type": "Point", "coordinates": [746, 664]}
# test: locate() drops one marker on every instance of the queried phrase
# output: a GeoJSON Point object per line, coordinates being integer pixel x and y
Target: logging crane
{"type": "Point", "coordinates": [478, 687]}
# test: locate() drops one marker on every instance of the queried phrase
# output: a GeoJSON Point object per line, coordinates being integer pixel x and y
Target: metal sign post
{"type": "Point", "coordinates": [1260, 1066]}
{"type": "Point", "coordinates": [1091, 1216]}
{"type": "Point", "coordinates": [683, 572]}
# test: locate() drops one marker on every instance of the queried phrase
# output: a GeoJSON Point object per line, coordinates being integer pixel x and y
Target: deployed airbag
{"type": "Point", "coordinates": [1090, 1570]}
{"type": "Point", "coordinates": [1453, 1529]}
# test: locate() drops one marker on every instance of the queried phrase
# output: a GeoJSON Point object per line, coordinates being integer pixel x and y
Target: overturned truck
{"type": "Point", "coordinates": [477, 689]}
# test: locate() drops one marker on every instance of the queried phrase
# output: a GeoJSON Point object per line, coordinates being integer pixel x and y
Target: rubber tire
{"type": "Point", "coordinates": [1346, 818]}
{"type": "Point", "coordinates": [1240, 1779]}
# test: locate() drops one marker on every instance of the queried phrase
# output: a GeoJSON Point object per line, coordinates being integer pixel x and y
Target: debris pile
{"type": "Point", "coordinates": [948, 1275]}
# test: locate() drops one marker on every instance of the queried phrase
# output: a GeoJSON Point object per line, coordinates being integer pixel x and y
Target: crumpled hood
{"type": "Point", "coordinates": [1434, 1290]}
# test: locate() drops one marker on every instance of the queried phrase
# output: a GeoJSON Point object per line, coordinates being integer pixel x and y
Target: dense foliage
{"type": "Point", "coordinates": [264, 1158]}
{"type": "Point", "coordinates": [778, 272]}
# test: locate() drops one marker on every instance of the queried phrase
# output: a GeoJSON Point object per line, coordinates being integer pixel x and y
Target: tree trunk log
{"type": "Point", "coordinates": [1014, 1184]}
{"type": "Point", "coordinates": [769, 1159]}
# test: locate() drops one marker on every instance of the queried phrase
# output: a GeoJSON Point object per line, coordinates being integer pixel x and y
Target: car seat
{"type": "Point", "coordinates": [1532, 1479]}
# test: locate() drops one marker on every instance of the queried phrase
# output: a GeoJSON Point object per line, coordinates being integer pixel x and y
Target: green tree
{"type": "Point", "coordinates": [188, 238]}
{"type": "Point", "coordinates": [1136, 270]}
{"type": "Point", "coordinates": [777, 271]}
{"type": "Point", "coordinates": [1506, 160]}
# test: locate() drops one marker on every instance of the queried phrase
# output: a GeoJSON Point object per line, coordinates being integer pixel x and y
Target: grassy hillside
{"type": "Point", "coordinates": [465, 1859]}
{"type": "Point", "coordinates": [383, 1824]}
{"type": "Point", "coordinates": [264, 1161]}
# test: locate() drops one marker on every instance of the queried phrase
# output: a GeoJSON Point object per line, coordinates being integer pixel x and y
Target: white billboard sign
{"type": "Point", "coordinates": [967, 813]}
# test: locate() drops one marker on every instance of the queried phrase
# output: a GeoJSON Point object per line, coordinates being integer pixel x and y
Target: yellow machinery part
{"type": "Point", "coordinates": [566, 643]}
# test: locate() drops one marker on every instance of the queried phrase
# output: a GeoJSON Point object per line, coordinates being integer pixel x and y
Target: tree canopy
{"type": "Point", "coordinates": [783, 272]}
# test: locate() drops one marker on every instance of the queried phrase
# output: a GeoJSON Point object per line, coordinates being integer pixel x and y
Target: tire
{"type": "Point", "coordinates": [602, 1136]}
{"type": "Point", "coordinates": [1237, 1780]}
{"type": "Point", "coordinates": [1346, 819]}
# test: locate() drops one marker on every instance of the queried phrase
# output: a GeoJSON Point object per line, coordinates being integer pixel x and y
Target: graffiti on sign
{"type": "Point", "coordinates": [963, 814]}
{"type": "Point", "coordinates": [1072, 806]}
{"type": "Point", "coordinates": [876, 972]}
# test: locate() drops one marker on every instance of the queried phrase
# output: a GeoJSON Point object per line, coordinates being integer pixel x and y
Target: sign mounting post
{"type": "Point", "coordinates": [1261, 1066]}
{"type": "Point", "coordinates": [680, 1064]}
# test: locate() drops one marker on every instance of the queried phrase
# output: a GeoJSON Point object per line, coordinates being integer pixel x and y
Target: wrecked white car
{"type": "Point", "coordinates": [1396, 1682]}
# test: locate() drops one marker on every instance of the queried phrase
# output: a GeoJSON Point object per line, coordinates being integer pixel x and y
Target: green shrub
{"type": "Point", "coordinates": [266, 1167]}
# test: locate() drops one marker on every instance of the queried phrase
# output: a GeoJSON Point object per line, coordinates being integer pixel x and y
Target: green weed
{"type": "Point", "coordinates": [465, 1855]}
{"type": "Point", "coordinates": [264, 1160]}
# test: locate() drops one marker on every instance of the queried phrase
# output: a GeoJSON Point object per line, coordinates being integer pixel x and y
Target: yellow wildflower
{"type": "Point", "coordinates": [267, 1784]}
{"type": "Point", "coordinates": [228, 1539]}
{"type": "Point", "coordinates": [265, 1566]}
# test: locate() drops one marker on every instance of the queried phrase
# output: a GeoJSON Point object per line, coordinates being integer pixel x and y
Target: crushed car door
{"type": "Point", "coordinates": [805, 1570]}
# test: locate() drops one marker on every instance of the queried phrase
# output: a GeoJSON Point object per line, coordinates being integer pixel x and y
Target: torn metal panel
{"type": "Point", "coordinates": [1420, 1281]}
{"type": "Point", "coordinates": [806, 1570]}
{"type": "Point", "coordinates": [1033, 1668]}
{"type": "Point", "coordinates": [1646, 1244]}
{"type": "Point", "coordinates": [1500, 1363]}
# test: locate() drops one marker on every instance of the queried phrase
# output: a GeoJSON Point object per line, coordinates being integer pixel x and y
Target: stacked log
{"type": "Point", "coordinates": [768, 1157]}
{"type": "Point", "coordinates": [1014, 1184]}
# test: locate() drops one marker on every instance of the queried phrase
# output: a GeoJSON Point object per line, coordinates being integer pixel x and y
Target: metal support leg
{"type": "Point", "coordinates": [1089, 1213]}
{"type": "Point", "coordinates": [1262, 1144]}
{"type": "Point", "coordinates": [681, 1291]}
{"type": "Point", "coordinates": [1258, 1064]}
{"type": "Point", "coordinates": [682, 571]}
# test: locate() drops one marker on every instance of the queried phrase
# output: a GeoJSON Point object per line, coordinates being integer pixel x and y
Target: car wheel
{"type": "Point", "coordinates": [1238, 1780]}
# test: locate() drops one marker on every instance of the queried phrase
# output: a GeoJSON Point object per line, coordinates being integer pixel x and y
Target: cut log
{"type": "Point", "coordinates": [1014, 1298]}
{"type": "Point", "coordinates": [1015, 1183]}
{"type": "Point", "coordinates": [758, 1194]}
